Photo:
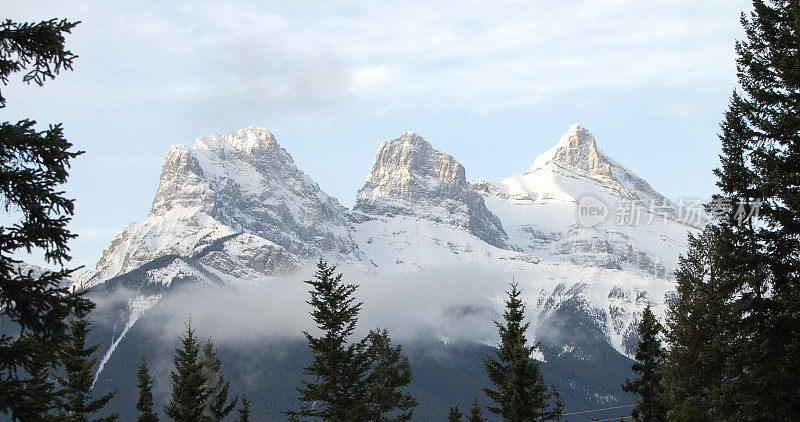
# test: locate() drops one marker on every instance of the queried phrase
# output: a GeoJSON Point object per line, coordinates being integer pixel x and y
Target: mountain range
{"type": "Point", "coordinates": [234, 212]}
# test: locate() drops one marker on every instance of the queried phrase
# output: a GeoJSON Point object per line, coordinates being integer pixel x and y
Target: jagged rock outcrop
{"type": "Point", "coordinates": [236, 203]}
{"type": "Point", "coordinates": [578, 148]}
{"type": "Point", "coordinates": [410, 177]}
{"type": "Point", "coordinates": [577, 151]}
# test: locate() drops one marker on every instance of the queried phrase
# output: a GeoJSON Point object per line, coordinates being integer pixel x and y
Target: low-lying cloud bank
{"type": "Point", "coordinates": [449, 304]}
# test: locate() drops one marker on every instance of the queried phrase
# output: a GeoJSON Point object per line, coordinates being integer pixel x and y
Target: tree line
{"type": "Point", "coordinates": [730, 346]}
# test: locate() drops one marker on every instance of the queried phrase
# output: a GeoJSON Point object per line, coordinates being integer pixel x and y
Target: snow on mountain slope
{"type": "Point", "coordinates": [606, 272]}
{"type": "Point", "coordinates": [241, 189]}
{"type": "Point", "coordinates": [137, 306]}
{"type": "Point", "coordinates": [612, 300]}
{"type": "Point", "coordinates": [403, 243]}
{"type": "Point", "coordinates": [642, 231]}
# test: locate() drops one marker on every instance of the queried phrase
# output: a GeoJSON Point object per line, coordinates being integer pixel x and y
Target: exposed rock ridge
{"type": "Point", "coordinates": [577, 152]}
{"type": "Point", "coordinates": [410, 177]}
{"type": "Point", "coordinates": [578, 148]}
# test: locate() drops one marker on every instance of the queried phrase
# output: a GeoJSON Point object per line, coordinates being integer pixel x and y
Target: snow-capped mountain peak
{"type": "Point", "coordinates": [411, 178]}
{"type": "Point", "coordinates": [539, 210]}
{"type": "Point", "coordinates": [577, 148]}
{"type": "Point", "coordinates": [237, 204]}
{"type": "Point", "coordinates": [574, 167]}
{"type": "Point", "coordinates": [412, 137]}
{"type": "Point", "coordinates": [405, 164]}
{"type": "Point", "coordinates": [235, 208]}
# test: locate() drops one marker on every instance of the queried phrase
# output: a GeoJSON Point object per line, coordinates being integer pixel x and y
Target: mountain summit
{"type": "Point", "coordinates": [237, 204]}
{"type": "Point", "coordinates": [574, 167]}
{"type": "Point", "coordinates": [576, 148]}
{"type": "Point", "coordinates": [642, 231]}
{"type": "Point", "coordinates": [251, 141]}
{"type": "Point", "coordinates": [409, 177]}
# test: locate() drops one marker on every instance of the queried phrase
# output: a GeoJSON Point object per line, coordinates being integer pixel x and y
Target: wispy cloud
{"type": "Point", "coordinates": [482, 54]}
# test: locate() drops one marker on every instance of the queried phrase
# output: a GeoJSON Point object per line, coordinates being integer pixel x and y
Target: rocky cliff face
{"type": "Point", "coordinates": [409, 177]}
{"type": "Point", "coordinates": [577, 148]}
{"type": "Point", "coordinates": [236, 203]}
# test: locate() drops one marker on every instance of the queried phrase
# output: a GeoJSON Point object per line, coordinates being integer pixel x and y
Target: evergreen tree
{"type": "Point", "coordinates": [336, 390]}
{"type": "Point", "coordinates": [520, 393]}
{"type": "Point", "coordinates": [699, 324]}
{"type": "Point", "coordinates": [649, 385]}
{"type": "Point", "coordinates": [189, 395]}
{"type": "Point", "coordinates": [33, 165]}
{"type": "Point", "coordinates": [220, 406]}
{"type": "Point", "coordinates": [475, 414]}
{"type": "Point", "coordinates": [389, 372]}
{"type": "Point", "coordinates": [757, 259]}
{"type": "Point", "coordinates": [76, 403]}
{"type": "Point", "coordinates": [454, 415]}
{"type": "Point", "coordinates": [217, 407]}
{"type": "Point", "coordinates": [244, 410]}
{"type": "Point", "coordinates": [351, 380]}
{"type": "Point", "coordinates": [144, 405]}
{"type": "Point", "coordinates": [40, 383]}
{"type": "Point", "coordinates": [761, 161]}
{"type": "Point", "coordinates": [558, 405]}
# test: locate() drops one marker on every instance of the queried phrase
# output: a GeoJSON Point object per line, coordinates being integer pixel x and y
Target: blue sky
{"type": "Point", "coordinates": [493, 83]}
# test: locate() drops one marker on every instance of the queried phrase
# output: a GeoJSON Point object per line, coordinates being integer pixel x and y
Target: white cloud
{"type": "Point", "coordinates": [457, 303]}
{"type": "Point", "coordinates": [483, 54]}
